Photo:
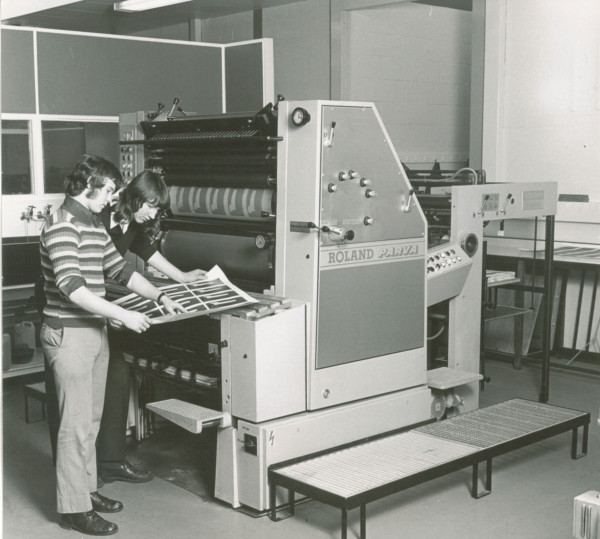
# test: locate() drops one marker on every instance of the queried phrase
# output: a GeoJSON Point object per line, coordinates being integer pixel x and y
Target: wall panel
{"type": "Point", "coordinates": [18, 79]}
{"type": "Point", "coordinates": [244, 77]}
{"type": "Point", "coordinates": [414, 62]}
{"type": "Point", "coordinates": [95, 75]}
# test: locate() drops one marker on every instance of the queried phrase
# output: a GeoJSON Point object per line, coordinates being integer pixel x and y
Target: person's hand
{"type": "Point", "coordinates": [171, 305]}
{"type": "Point", "coordinates": [135, 321]}
{"type": "Point", "coordinates": [194, 275]}
{"type": "Point", "coordinates": [115, 324]}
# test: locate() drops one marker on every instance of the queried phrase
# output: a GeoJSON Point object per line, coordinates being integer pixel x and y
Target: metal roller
{"type": "Point", "coordinates": [206, 160]}
{"type": "Point", "coordinates": [221, 202]}
{"type": "Point", "coordinates": [228, 177]}
{"type": "Point", "coordinates": [223, 149]}
{"type": "Point", "coordinates": [442, 202]}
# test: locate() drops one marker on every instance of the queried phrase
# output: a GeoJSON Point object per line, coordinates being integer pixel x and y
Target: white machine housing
{"type": "Point", "coordinates": [347, 360]}
{"type": "Point", "coordinates": [351, 244]}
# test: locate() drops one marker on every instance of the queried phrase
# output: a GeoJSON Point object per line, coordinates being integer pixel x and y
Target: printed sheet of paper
{"type": "Point", "coordinates": [215, 293]}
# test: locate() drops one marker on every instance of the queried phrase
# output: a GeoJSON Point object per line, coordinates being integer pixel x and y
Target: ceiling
{"type": "Point", "coordinates": [98, 15]}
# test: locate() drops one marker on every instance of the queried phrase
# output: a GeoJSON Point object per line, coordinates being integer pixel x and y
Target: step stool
{"type": "Point", "coordinates": [38, 392]}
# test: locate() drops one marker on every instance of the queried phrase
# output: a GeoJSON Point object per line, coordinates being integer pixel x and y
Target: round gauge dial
{"type": "Point", "coordinates": [300, 116]}
{"type": "Point", "coordinates": [260, 241]}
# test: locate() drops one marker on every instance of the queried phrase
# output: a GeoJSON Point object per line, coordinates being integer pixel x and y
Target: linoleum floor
{"type": "Point", "coordinates": [532, 495]}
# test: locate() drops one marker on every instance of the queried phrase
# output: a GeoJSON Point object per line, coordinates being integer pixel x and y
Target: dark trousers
{"type": "Point", "coordinates": [110, 443]}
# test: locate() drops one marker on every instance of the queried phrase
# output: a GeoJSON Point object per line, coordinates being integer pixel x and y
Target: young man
{"type": "Point", "coordinates": [77, 254]}
{"type": "Point", "coordinates": [132, 223]}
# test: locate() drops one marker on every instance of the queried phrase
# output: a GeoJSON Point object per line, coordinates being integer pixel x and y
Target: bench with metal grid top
{"type": "Point", "coordinates": [355, 475]}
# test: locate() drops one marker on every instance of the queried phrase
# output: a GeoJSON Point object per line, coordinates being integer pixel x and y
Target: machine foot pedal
{"type": "Point", "coordinates": [447, 378]}
{"type": "Point", "coordinates": [187, 415]}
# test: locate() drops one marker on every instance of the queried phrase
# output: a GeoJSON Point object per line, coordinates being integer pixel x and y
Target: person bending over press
{"type": "Point", "coordinates": [76, 255]}
{"type": "Point", "coordinates": [133, 225]}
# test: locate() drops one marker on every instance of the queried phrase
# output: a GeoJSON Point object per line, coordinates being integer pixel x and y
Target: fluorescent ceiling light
{"type": "Point", "coordinates": [141, 5]}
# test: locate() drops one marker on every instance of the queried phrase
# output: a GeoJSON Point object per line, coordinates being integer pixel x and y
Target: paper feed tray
{"type": "Point", "coordinates": [189, 416]}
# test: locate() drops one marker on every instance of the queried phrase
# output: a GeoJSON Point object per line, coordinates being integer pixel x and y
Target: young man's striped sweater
{"type": "Point", "coordinates": [76, 251]}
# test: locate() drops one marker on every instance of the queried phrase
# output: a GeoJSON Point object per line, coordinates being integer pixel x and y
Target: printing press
{"type": "Point", "coordinates": [307, 206]}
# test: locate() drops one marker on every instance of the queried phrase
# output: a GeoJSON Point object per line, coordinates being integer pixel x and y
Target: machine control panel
{"type": "Point", "coordinates": [497, 201]}
{"type": "Point", "coordinates": [446, 258]}
{"type": "Point", "coordinates": [131, 155]}
{"type": "Point", "coordinates": [447, 269]}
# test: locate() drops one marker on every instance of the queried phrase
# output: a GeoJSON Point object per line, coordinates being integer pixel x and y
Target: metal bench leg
{"type": "Point", "coordinates": [475, 493]}
{"type": "Point", "coordinates": [363, 521]}
{"type": "Point", "coordinates": [344, 523]}
{"type": "Point", "coordinates": [584, 442]}
{"type": "Point", "coordinates": [273, 504]}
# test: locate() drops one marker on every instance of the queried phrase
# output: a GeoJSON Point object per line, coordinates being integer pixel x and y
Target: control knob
{"type": "Point", "coordinates": [350, 175]}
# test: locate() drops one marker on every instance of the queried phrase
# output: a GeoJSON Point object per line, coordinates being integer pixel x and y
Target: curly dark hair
{"type": "Point", "coordinates": [147, 186]}
{"type": "Point", "coordinates": [91, 171]}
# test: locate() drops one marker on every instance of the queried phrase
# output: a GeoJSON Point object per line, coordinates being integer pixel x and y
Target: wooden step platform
{"type": "Point", "coordinates": [354, 476]}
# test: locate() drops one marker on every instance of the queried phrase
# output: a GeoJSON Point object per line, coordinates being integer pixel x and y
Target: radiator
{"type": "Point", "coordinates": [586, 515]}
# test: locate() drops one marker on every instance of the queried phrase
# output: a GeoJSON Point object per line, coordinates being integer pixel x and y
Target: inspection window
{"type": "Point", "coordinates": [63, 143]}
{"type": "Point", "coordinates": [16, 157]}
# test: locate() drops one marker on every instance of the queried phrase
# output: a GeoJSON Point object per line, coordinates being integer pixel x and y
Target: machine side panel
{"type": "Point", "coordinates": [369, 311]}
{"type": "Point", "coordinates": [339, 176]}
{"type": "Point", "coordinates": [268, 365]}
{"type": "Point", "coordinates": [296, 266]}
{"type": "Point", "coordinates": [472, 206]}
{"type": "Point", "coordinates": [363, 188]}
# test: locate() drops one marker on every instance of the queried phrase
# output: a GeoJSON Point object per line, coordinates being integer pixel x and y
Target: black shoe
{"type": "Point", "coordinates": [90, 523]}
{"type": "Point", "coordinates": [102, 504]}
{"type": "Point", "coordinates": [123, 471]}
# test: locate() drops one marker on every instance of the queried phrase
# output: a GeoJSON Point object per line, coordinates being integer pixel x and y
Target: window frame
{"type": "Point", "coordinates": [36, 147]}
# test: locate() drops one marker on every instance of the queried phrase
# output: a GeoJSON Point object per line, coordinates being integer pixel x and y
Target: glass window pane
{"type": "Point", "coordinates": [65, 142]}
{"type": "Point", "coordinates": [16, 159]}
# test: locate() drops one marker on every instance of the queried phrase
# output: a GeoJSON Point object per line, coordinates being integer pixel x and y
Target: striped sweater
{"type": "Point", "coordinates": [76, 251]}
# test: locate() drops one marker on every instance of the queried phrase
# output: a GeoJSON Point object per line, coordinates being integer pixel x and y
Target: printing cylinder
{"type": "Point", "coordinates": [231, 203]}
